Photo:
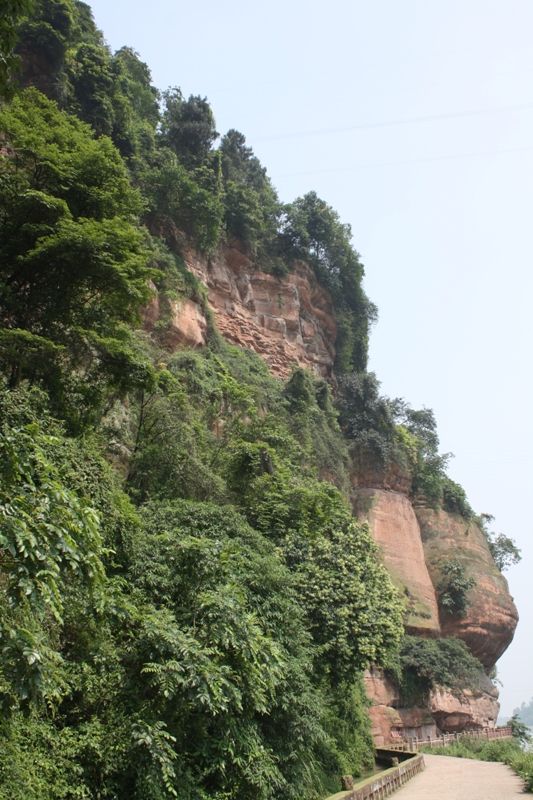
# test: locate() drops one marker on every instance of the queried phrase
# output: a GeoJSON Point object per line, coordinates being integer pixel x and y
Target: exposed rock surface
{"type": "Point", "coordinates": [445, 712]}
{"type": "Point", "coordinates": [289, 319]}
{"type": "Point", "coordinates": [383, 715]}
{"type": "Point", "coordinates": [395, 528]}
{"type": "Point", "coordinates": [467, 711]}
{"type": "Point", "coordinates": [286, 319]}
{"type": "Point", "coordinates": [491, 618]}
{"type": "Point", "coordinates": [186, 324]}
{"type": "Point", "coordinates": [393, 477]}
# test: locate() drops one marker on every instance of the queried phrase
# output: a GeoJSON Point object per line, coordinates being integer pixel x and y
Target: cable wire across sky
{"type": "Point", "coordinates": [387, 123]}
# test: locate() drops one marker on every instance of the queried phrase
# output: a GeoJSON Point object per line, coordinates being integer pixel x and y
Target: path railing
{"type": "Point", "coordinates": [412, 743]}
{"type": "Point", "coordinates": [384, 784]}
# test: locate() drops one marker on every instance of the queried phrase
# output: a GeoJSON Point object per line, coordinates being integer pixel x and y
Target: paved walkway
{"type": "Point", "coordinates": [446, 778]}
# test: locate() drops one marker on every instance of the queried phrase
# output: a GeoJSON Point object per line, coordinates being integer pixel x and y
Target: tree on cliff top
{"type": "Point", "coordinates": [503, 549]}
{"type": "Point", "coordinates": [188, 128]}
{"type": "Point", "coordinates": [311, 230]}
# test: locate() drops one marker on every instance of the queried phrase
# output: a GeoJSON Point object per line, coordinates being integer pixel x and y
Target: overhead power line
{"type": "Point", "coordinates": [388, 123]}
{"type": "Point", "coordinates": [399, 163]}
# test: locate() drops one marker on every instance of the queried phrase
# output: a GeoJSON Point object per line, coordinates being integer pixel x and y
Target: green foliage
{"type": "Point", "coordinates": [311, 230]}
{"type": "Point", "coordinates": [188, 128]}
{"type": "Point", "coordinates": [366, 419]}
{"type": "Point", "coordinates": [454, 499]}
{"type": "Point", "coordinates": [520, 730]}
{"type": "Point", "coordinates": [251, 203]}
{"type": "Point", "coordinates": [348, 748]}
{"type": "Point", "coordinates": [389, 434]}
{"type": "Point", "coordinates": [313, 421]}
{"type": "Point", "coordinates": [503, 549]}
{"type": "Point", "coordinates": [203, 636]}
{"type": "Point", "coordinates": [424, 664]}
{"type": "Point", "coordinates": [46, 528]}
{"type": "Point", "coordinates": [66, 58]}
{"type": "Point", "coordinates": [351, 603]}
{"type": "Point", "coordinates": [10, 64]}
{"type": "Point", "coordinates": [216, 659]}
{"type": "Point", "coordinates": [181, 202]}
{"type": "Point", "coordinates": [428, 467]}
{"type": "Point", "coordinates": [73, 266]}
{"type": "Point", "coordinates": [49, 536]}
{"type": "Point", "coordinates": [453, 588]}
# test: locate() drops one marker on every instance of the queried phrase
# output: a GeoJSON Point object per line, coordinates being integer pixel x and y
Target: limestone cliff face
{"type": "Point", "coordinates": [491, 618]}
{"type": "Point", "coordinates": [395, 528]}
{"type": "Point", "coordinates": [286, 319]}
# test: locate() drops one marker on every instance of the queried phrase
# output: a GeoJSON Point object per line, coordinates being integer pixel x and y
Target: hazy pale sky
{"type": "Point", "coordinates": [414, 120]}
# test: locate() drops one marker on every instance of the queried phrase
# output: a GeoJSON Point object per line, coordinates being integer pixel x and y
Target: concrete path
{"type": "Point", "coordinates": [446, 778]}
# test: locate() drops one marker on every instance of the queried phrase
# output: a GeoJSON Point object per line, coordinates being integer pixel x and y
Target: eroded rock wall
{"type": "Point", "coordinates": [490, 621]}
{"type": "Point", "coordinates": [286, 319]}
{"type": "Point", "coordinates": [395, 528]}
{"type": "Point", "coordinates": [469, 710]}
{"type": "Point", "coordinates": [445, 712]}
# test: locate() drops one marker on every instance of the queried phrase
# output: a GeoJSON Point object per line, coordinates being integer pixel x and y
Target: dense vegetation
{"type": "Point", "coordinates": [187, 603]}
{"type": "Point", "coordinates": [424, 664]}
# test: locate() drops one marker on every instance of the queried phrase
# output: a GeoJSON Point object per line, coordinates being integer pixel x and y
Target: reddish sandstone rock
{"type": "Point", "coordinates": [186, 324]}
{"type": "Point", "coordinates": [285, 319]}
{"type": "Point", "coordinates": [445, 712]}
{"type": "Point", "coordinates": [469, 710]}
{"type": "Point", "coordinates": [392, 477]}
{"type": "Point", "coordinates": [384, 696]}
{"type": "Point", "coordinates": [395, 528]}
{"type": "Point", "coordinates": [491, 618]}
{"type": "Point", "coordinates": [187, 327]}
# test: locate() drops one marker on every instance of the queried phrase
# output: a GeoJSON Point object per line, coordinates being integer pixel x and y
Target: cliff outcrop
{"type": "Point", "coordinates": [468, 710]}
{"type": "Point", "coordinates": [491, 617]}
{"type": "Point", "coordinates": [286, 319]}
{"type": "Point", "coordinates": [445, 712]}
{"type": "Point", "coordinates": [395, 528]}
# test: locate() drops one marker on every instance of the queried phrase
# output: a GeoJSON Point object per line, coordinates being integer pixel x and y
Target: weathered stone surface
{"type": "Point", "coordinates": [445, 712]}
{"type": "Point", "coordinates": [470, 710]}
{"type": "Point", "coordinates": [383, 716]}
{"type": "Point", "coordinates": [491, 618]}
{"type": "Point", "coordinates": [186, 326]}
{"type": "Point", "coordinates": [395, 528]}
{"type": "Point", "coordinates": [286, 320]}
{"type": "Point", "coordinates": [392, 477]}
{"type": "Point", "coordinates": [152, 311]}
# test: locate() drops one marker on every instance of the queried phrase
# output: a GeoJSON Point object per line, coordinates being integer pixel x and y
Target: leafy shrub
{"type": "Point", "coordinates": [503, 549]}
{"type": "Point", "coordinates": [425, 664]}
{"type": "Point", "coordinates": [366, 418]}
{"type": "Point", "coordinates": [453, 588]}
{"type": "Point", "coordinates": [454, 499]}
